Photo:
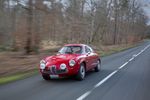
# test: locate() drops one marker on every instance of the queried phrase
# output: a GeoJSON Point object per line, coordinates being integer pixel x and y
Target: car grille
{"type": "Point", "coordinates": [52, 70]}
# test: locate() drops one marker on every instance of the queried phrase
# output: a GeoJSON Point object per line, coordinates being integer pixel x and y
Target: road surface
{"type": "Point", "coordinates": [124, 76]}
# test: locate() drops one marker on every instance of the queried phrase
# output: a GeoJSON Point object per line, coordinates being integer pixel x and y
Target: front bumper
{"type": "Point", "coordinates": [54, 71]}
{"type": "Point", "coordinates": [69, 71]}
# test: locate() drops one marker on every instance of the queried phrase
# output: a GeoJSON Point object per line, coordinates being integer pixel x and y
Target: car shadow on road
{"type": "Point", "coordinates": [90, 76]}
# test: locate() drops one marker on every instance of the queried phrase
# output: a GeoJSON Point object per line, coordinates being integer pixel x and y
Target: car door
{"type": "Point", "coordinates": [94, 57]}
{"type": "Point", "coordinates": [89, 57]}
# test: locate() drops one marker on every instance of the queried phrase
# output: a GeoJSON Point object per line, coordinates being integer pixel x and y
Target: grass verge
{"type": "Point", "coordinates": [115, 49]}
{"type": "Point", "coordinates": [18, 76]}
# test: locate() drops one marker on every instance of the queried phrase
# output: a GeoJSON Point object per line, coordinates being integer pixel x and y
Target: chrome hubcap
{"type": "Point", "coordinates": [98, 65]}
{"type": "Point", "coordinates": [82, 71]}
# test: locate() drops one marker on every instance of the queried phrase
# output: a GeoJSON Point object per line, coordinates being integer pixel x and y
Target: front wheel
{"type": "Point", "coordinates": [98, 67]}
{"type": "Point", "coordinates": [81, 72]}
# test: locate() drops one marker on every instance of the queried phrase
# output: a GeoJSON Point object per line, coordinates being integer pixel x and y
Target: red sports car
{"type": "Point", "coordinates": [71, 60]}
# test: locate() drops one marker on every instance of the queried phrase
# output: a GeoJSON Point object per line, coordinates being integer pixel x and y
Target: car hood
{"type": "Point", "coordinates": [60, 58]}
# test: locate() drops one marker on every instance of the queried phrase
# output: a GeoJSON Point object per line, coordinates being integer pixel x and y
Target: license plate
{"type": "Point", "coordinates": [54, 76]}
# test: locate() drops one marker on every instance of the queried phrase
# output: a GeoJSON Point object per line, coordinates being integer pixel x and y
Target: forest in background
{"type": "Point", "coordinates": [25, 25]}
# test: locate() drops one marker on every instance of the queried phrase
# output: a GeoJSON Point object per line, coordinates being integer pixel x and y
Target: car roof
{"type": "Point", "coordinates": [75, 45]}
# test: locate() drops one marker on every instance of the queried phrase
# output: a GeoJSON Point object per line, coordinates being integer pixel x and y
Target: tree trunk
{"type": "Point", "coordinates": [28, 46]}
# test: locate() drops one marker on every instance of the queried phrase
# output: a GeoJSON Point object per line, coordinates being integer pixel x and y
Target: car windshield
{"type": "Point", "coordinates": [71, 50]}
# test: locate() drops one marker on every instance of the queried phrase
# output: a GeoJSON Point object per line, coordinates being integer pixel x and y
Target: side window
{"type": "Point", "coordinates": [90, 49]}
{"type": "Point", "coordinates": [87, 49]}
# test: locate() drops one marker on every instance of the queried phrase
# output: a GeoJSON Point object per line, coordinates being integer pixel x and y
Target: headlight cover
{"type": "Point", "coordinates": [72, 63]}
{"type": "Point", "coordinates": [63, 66]}
{"type": "Point", "coordinates": [42, 64]}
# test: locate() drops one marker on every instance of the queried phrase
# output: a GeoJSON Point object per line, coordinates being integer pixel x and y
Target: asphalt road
{"type": "Point", "coordinates": [124, 76]}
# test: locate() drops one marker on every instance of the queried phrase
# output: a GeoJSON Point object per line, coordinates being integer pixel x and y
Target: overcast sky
{"type": "Point", "coordinates": [146, 6]}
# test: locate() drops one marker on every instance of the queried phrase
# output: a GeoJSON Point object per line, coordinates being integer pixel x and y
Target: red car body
{"type": "Point", "coordinates": [68, 63]}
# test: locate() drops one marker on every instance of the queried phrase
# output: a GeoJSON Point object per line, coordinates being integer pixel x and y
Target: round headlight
{"type": "Point", "coordinates": [72, 63]}
{"type": "Point", "coordinates": [63, 66]}
{"type": "Point", "coordinates": [42, 66]}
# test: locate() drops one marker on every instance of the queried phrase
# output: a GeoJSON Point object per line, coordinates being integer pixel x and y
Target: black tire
{"type": "Point", "coordinates": [81, 73]}
{"type": "Point", "coordinates": [46, 77]}
{"type": "Point", "coordinates": [98, 66]}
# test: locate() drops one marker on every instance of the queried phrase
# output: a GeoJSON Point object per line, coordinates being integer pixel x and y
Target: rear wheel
{"type": "Point", "coordinates": [98, 67]}
{"type": "Point", "coordinates": [81, 72]}
{"type": "Point", "coordinates": [46, 77]}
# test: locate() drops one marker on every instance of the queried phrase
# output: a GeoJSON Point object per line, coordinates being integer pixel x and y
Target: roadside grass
{"type": "Point", "coordinates": [17, 76]}
{"type": "Point", "coordinates": [114, 50]}
{"type": "Point", "coordinates": [3, 48]}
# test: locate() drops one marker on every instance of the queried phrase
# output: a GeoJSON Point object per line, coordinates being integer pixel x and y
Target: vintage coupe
{"type": "Point", "coordinates": [71, 60]}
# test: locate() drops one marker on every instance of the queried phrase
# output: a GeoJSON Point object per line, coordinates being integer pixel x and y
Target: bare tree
{"type": "Point", "coordinates": [25, 23]}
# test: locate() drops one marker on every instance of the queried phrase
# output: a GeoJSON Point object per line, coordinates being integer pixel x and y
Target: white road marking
{"type": "Point", "coordinates": [111, 74]}
{"type": "Point", "coordinates": [105, 79]}
{"type": "Point", "coordinates": [97, 85]}
{"type": "Point", "coordinates": [138, 54]}
{"type": "Point", "coordinates": [134, 55]}
{"type": "Point", "coordinates": [123, 65]}
{"type": "Point", "coordinates": [84, 95]}
{"type": "Point", "coordinates": [131, 59]}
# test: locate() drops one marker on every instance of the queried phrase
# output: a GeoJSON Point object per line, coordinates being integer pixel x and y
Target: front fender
{"type": "Point", "coordinates": [81, 60]}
